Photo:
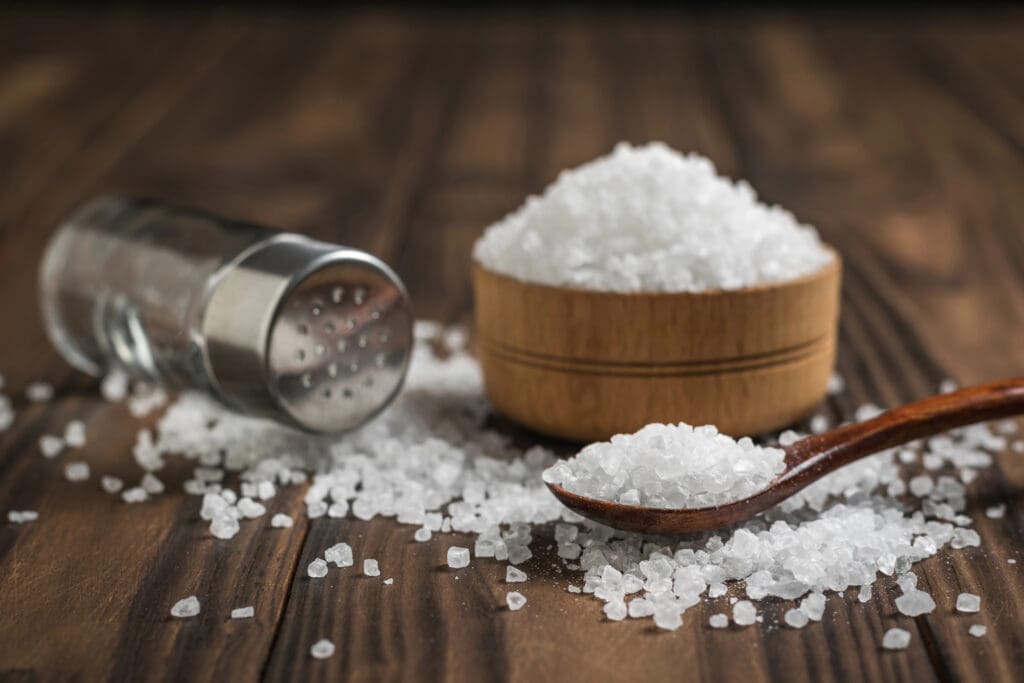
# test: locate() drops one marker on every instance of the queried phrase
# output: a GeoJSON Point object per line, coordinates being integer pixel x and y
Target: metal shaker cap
{"type": "Point", "coordinates": [312, 334]}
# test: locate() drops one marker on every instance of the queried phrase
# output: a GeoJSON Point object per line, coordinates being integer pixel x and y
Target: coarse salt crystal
{"type": "Point", "coordinates": [74, 433]}
{"type": "Point", "coordinates": [111, 484]}
{"type": "Point", "coordinates": [718, 621]}
{"type": "Point", "coordinates": [896, 639]}
{"type": "Point", "coordinates": [968, 602]}
{"type": "Point", "coordinates": [422, 535]}
{"type": "Point", "coordinates": [39, 392]}
{"type": "Point", "coordinates": [978, 630]}
{"type": "Point", "coordinates": [515, 600]}
{"type": "Point", "coordinates": [50, 446]}
{"type": "Point", "coordinates": [136, 494]}
{"type": "Point", "coordinates": [458, 557]}
{"type": "Point", "coordinates": [76, 471]}
{"type": "Point", "coordinates": [22, 516]}
{"type": "Point", "coordinates": [744, 613]}
{"type": "Point", "coordinates": [186, 607]}
{"type": "Point", "coordinates": [322, 649]}
{"type": "Point", "coordinates": [340, 554]}
{"type": "Point", "coordinates": [281, 521]}
{"type": "Point", "coordinates": [317, 569]}
{"type": "Point", "coordinates": [996, 511]}
{"type": "Point", "coordinates": [514, 575]}
{"type": "Point", "coordinates": [243, 612]}
{"type": "Point", "coordinates": [914, 603]}
{"type": "Point", "coordinates": [371, 568]}
{"type": "Point", "coordinates": [796, 618]}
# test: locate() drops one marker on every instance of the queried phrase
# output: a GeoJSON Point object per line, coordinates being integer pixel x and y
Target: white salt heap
{"type": "Point", "coordinates": [669, 466]}
{"type": "Point", "coordinates": [650, 219]}
{"type": "Point", "coordinates": [429, 462]}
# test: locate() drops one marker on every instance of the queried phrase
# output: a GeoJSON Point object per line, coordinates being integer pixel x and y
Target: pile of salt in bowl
{"type": "Point", "coordinates": [650, 219]}
{"type": "Point", "coordinates": [430, 462]}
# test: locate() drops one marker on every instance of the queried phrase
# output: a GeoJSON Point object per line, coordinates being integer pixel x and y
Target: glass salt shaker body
{"type": "Point", "coordinates": [312, 334]}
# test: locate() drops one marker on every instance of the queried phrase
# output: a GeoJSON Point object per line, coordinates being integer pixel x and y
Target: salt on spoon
{"type": "Point", "coordinates": [683, 490]}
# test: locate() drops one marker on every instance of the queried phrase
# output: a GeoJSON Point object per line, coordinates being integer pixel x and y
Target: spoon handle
{"type": "Point", "coordinates": [810, 457]}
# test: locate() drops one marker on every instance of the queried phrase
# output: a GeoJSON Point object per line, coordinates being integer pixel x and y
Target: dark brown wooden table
{"type": "Point", "coordinates": [901, 136]}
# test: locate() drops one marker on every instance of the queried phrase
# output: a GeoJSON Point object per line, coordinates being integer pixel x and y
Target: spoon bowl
{"type": "Point", "coordinates": [811, 458]}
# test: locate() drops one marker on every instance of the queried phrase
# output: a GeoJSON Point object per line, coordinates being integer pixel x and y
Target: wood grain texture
{"type": "Point", "coordinates": [405, 133]}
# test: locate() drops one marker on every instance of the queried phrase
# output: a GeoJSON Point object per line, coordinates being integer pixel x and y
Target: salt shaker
{"type": "Point", "coordinates": [311, 334]}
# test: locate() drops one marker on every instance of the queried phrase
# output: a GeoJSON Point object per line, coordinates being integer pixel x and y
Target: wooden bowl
{"type": "Point", "coordinates": [585, 365]}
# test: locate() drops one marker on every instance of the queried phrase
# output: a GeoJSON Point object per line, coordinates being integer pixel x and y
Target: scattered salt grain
{"type": "Point", "coordinates": [921, 485]}
{"type": "Point", "coordinates": [371, 568]}
{"type": "Point", "coordinates": [914, 603]}
{"type": "Point", "coordinates": [693, 467]}
{"type": "Point", "coordinates": [996, 511]}
{"type": "Point", "coordinates": [458, 557]}
{"type": "Point", "coordinates": [968, 602]}
{"type": "Point", "coordinates": [796, 618]}
{"type": "Point", "coordinates": [186, 607]}
{"type": "Point", "coordinates": [978, 630]}
{"type": "Point", "coordinates": [243, 612]}
{"type": "Point", "coordinates": [864, 595]}
{"type": "Point", "coordinates": [281, 521]}
{"type": "Point", "coordinates": [22, 516]}
{"type": "Point", "coordinates": [744, 613]}
{"type": "Point", "coordinates": [317, 569]}
{"type": "Point", "coordinates": [114, 386]}
{"type": "Point", "coordinates": [896, 639]}
{"type": "Point", "coordinates": [616, 610]}
{"type": "Point", "coordinates": [422, 534]}
{"type": "Point", "coordinates": [322, 649]}
{"type": "Point", "coordinates": [50, 446]}
{"type": "Point", "coordinates": [948, 386]}
{"type": "Point", "coordinates": [74, 433]}
{"type": "Point", "coordinates": [718, 621]}
{"type": "Point", "coordinates": [514, 575]}
{"type": "Point", "coordinates": [76, 471]}
{"type": "Point", "coordinates": [836, 384]}
{"type": "Point", "coordinates": [39, 392]}
{"type": "Point", "coordinates": [151, 484]}
{"type": "Point", "coordinates": [650, 219]}
{"type": "Point", "coordinates": [668, 616]}
{"type": "Point", "coordinates": [515, 600]}
{"type": "Point", "coordinates": [819, 424]}
{"type": "Point", "coordinates": [111, 485]}
{"type": "Point", "coordinates": [813, 606]}
{"type": "Point", "coordinates": [340, 554]}
{"type": "Point", "coordinates": [964, 538]}
{"type": "Point", "coordinates": [136, 494]}
{"type": "Point", "coordinates": [224, 526]}
{"type": "Point", "coordinates": [250, 509]}
{"type": "Point", "coordinates": [388, 582]}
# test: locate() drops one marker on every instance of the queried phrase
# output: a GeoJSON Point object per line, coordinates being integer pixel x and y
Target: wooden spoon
{"type": "Point", "coordinates": [815, 456]}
